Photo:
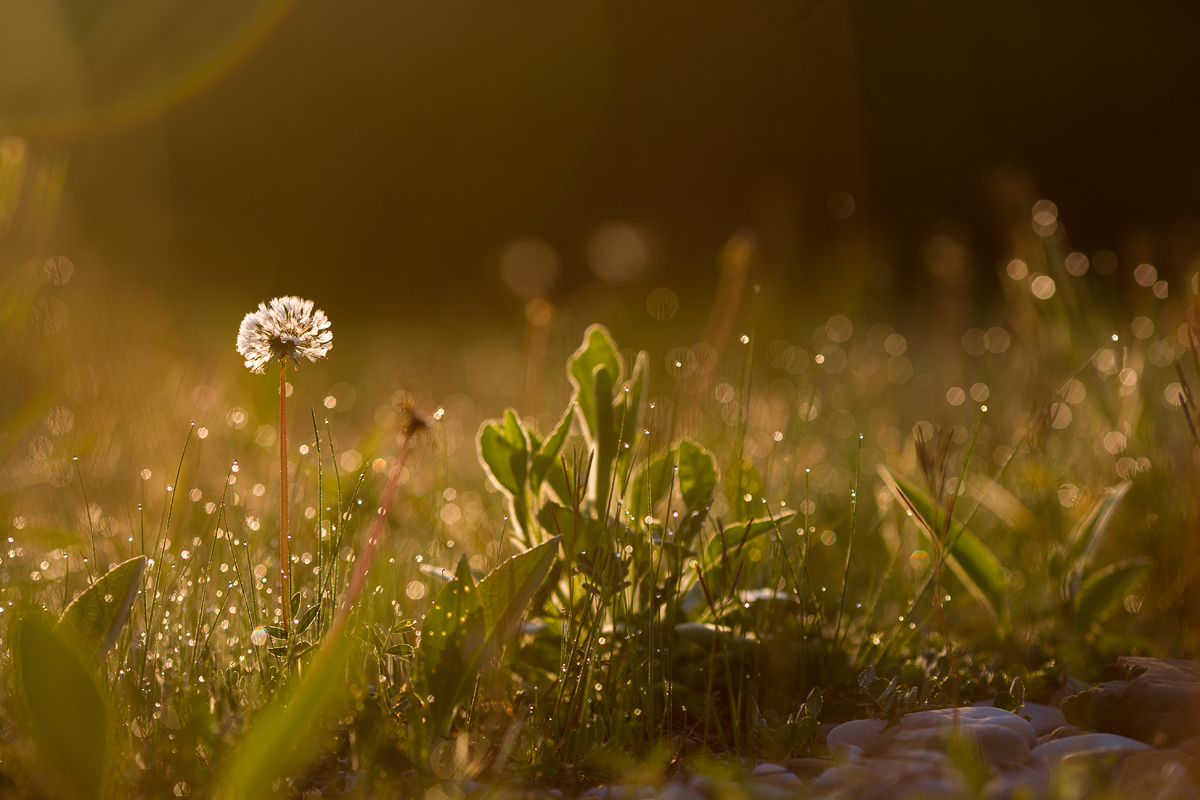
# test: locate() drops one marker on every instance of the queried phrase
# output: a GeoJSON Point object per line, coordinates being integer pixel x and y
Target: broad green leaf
{"type": "Point", "coordinates": [284, 737]}
{"type": "Point", "coordinates": [1085, 537]}
{"type": "Point", "coordinates": [605, 442]}
{"type": "Point", "coordinates": [736, 535]}
{"type": "Point", "coordinates": [545, 460]}
{"type": "Point", "coordinates": [96, 617]}
{"type": "Point", "coordinates": [518, 440]}
{"type": "Point", "coordinates": [597, 350]}
{"type": "Point", "coordinates": [307, 619]}
{"type": "Point", "coordinates": [1103, 591]}
{"type": "Point", "coordinates": [812, 706]}
{"type": "Point", "coordinates": [451, 647]}
{"type": "Point", "coordinates": [969, 558]}
{"type": "Point", "coordinates": [65, 707]}
{"type": "Point", "coordinates": [506, 590]}
{"type": "Point", "coordinates": [698, 475]}
{"type": "Point", "coordinates": [504, 451]}
{"type": "Point", "coordinates": [651, 483]}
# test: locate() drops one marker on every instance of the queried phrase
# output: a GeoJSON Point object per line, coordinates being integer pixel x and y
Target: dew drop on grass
{"type": "Point", "coordinates": [258, 637]}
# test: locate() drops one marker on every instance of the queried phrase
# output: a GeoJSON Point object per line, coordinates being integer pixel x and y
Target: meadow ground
{"type": "Point", "coordinates": [539, 554]}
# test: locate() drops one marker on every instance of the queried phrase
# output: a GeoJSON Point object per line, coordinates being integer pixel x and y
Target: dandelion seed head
{"type": "Point", "coordinates": [285, 327]}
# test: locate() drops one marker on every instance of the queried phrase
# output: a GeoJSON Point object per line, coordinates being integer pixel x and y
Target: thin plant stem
{"type": "Point", "coordinates": [285, 555]}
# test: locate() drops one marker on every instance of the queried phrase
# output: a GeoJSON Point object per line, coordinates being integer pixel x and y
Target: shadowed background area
{"type": "Point", "coordinates": [373, 153]}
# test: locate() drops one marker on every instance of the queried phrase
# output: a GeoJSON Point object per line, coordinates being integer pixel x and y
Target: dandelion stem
{"type": "Point", "coordinates": [285, 556]}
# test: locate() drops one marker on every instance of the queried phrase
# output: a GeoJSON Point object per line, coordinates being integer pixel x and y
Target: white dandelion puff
{"type": "Point", "coordinates": [286, 327]}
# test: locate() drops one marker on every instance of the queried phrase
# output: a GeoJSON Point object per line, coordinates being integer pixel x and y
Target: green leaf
{"type": "Point", "coordinates": [812, 706]}
{"type": "Point", "coordinates": [401, 650]}
{"type": "Point", "coordinates": [307, 619]}
{"type": "Point", "coordinates": [651, 483]}
{"type": "Point", "coordinates": [605, 442]}
{"type": "Point", "coordinates": [507, 589]}
{"type": "Point", "coordinates": [736, 535]}
{"type": "Point", "coordinates": [504, 453]}
{"type": "Point", "coordinates": [65, 707]}
{"type": "Point", "coordinates": [96, 617]}
{"type": "Point", "coordinates": [451, 648]}
{"type": "Point", "coordinates": [597, 351]}
{"type": "Point", "coordinates": [1085, 537]}
{"type": "Point", "coordinates": [980, 571]}
{"type": "Point", "coordinates": [1103, 591]}
{"type": "Point", "coordinates": [698, 475]}
{"type": "Point", "coordinates": [545, 460]}
{"type": "Point", "coordinates": [464, 624]}
{"type": "Point", "coordinates": [282, 738]}
{"type": "Point", "coordinates": [276, 631]}
{"type": "Point", "coordinates": [969, 558]}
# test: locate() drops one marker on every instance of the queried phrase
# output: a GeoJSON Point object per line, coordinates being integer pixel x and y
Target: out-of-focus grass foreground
{"type": "Point", "coordinates": [626, 534]}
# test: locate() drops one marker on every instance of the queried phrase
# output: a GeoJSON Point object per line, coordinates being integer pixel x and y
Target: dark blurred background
{"type": "Point", "coordinates": [384, 156]}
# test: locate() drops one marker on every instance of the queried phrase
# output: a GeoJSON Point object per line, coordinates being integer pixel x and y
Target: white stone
{"type": "Point", "coordinates": [998, 744]}
{"type": "Point", "coordinates": [784, 779]}
{"type": "Point", "coordinates": [1093, 744]}
{"type": "Point", "coordinates": [847, 754]}
{"type": "Point", "coordinates": [844, 775]}
{"type": "Point", "coordinates": [768, 768]}
{"type": "Point", "coordinates": [1044, 719]}
{"type": "Point", "coordinates": [949, 716]}
{"type": "Point", "coordinates": [863, 733]}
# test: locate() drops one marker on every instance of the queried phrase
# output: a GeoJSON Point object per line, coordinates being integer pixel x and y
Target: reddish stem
{"type": "Point", "coordinates": [285, 554]}
{"type": "Point", "coordinates": [362, 564]}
